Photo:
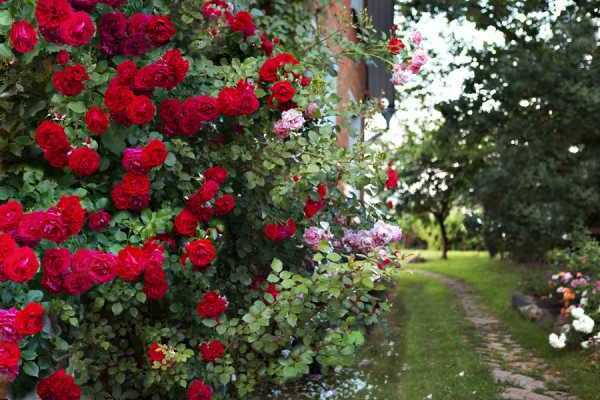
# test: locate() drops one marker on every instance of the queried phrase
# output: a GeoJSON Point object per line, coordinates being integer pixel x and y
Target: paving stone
{"type": "Point", "coordinates": [523, 394]}
{"type": "Point", "coordinates": [522, 381]}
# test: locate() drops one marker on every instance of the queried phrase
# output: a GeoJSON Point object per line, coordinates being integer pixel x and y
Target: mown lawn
{"type": "Point", "coordinates": [495, 281]}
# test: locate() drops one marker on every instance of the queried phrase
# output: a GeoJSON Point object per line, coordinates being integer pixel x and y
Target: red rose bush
{"type": "Point", "coordinates": [173, 218]}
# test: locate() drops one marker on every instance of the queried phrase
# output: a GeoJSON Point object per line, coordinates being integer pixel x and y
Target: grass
{"type": "Point", "coordinates": [495, 281]}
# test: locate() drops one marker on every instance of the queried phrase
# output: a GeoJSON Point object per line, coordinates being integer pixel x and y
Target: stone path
{"type": "Point", "coordinates": [522, 375]}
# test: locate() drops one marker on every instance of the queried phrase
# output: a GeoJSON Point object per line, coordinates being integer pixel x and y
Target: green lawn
{"type": "Point", "coordinates": [495, 281]}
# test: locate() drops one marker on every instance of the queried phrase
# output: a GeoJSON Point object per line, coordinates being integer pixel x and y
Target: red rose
{"type": "Point", "coordinates": [201, 253]}
{"type": "Point", "coordinates": [117, 98]}
{"type": "Point", "coordinates": [207, 191]}
{"type": "Point", "coordinates": [203, 212]}
{"type": "Point", "coordinates": [266, 44]}
{"type": "Point", "coordinates": [198, 390]}
{"type": "Point", "coordinates": [211, 305]}
{"type": "Point", "coordinates": [242, 22]}
{"type": "Point", "coordinates": [136, 184]}
{"type": "Point", "coordinates": [322, 191]}
{"type": "Point", "coordinates": [102, 266]}
{"type": "Point", "coordinates": [56, 262]}
{"type": "Point", "coordinates": [112, 29]}
{"type": "Point", "coordinates": [155, 353]}
{"type": "Point", "coordinates": [76, 283]}
{"type": "Point", "coordinates": [248, 102]}
{"type": "Point", "coordinates": [98, 220]}
{"type": "Point", "coordinates": [23, 36]}
{"type": "Point", "coordinates": [52, 13]}
{"type": "Point", "coordinates": [30, 320]}
{"type": "Point", "coordinates": [289, 228]}
{"type": "Point", "coordinates": [155, 253]}
{"type": "Point", "coordinates": [155, 282]}
{"type": "Point", "coordinates": [171, 71]}
{"type": "Point", "coordinates": [229, 101]}
{"type": "Point", "coordinates": [131, 263]}
{"type": "Point", "coordinates": [392, 179]}
{"type": "Point", "coordinates": [140, 110]}
{"type": "Point", "coordinates": [84, 161]}
{"type": "Point", "coordinates": [72, 212]}
{"type": "Point", "coordinates": [58, 386]}
{"type": "Point", "coordinates": [11, 213]}
{"type": "Point", "coordinates": [62, 57]}
{"type": "Point", "coordinates": [70, 81]}
{"type": "Point", "coordinates": [225, 204]}
{"type": "Point", "coordinates": [186, 223]}
{"type": "Point", "coordinates": [205, 107]}
{"type": "Point", "coordinates": [395, 45]}
{"type": "Point", "coordinates": [154, 154]}
{"type": "Point", "coordinates": [21, 265]}
{"type": "Point", "coordinates": [160, 29]}
{"type": "Point", "coordinates": [119, 197]}
{"type": "Point", "coordinates": [271, 232]}
{"type": "Point", "coordinates": [10, 355]}
{"type": "Point", "coordinates": [312, 207]}
{"type": "Point", "coordinates": [272, 290]}
{"type": "Point", "coordinates": [132, 161]}
{"type": "Point", "coordinates": [51, 135]}
{"type": "Point", "coordinates": [126, 72]}
{"type": "Point", "coordinates": [283, 91]}
{"type": "Point", "coordinates": [170, 114]}
{"type": "Point", "coordinates": [57, 158]}
{"type": "Point", "coordinates": [29, 230]}
{"type": "Point", "coordinates": [96, 120]}
{"type": "Point", "coordinates": [53, 226]}
{"type": "Point", "coordinates": [268, 72]}
{"type": "Point", "coordinates": [78, 29]}
{"type": "Point", "coordinates": [7, 246]}
{"type": "Point", "coordinates": [52, 284]}
{"type": "Point", "coordinates": [212, 350]}
{"type": "Point", "coordinates": [217, 174]}
{"type": "Point", "coordinates": [305, 81]}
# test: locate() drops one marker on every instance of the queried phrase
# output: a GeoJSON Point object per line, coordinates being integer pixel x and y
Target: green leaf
{"type": "Point", "coordinates": [5, 52]}
{"type": "Point", "coordinates": [117, 308]}
{"type": "Point", "coordinates": [77, 106]}
{"type": "Point", "coordinates": [277, 265]}
{"type": "Point", "coordinates": [31, 369]}
{"type": "Point", "coordinates": [211, 323]}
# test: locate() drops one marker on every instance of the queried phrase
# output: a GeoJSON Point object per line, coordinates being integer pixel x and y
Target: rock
{"type": "Point", "coordinates": [417, 260]}
{"type": "Point", "coordinates": [532, 312]}
{"type": "Point", "coordinates": [521, 300]}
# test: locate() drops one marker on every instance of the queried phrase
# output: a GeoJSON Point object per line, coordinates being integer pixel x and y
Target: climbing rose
{"type": "Point", "coordinates": [198, 390]}
{"type": "Point", "coordinates": [11, 213]}
{"type": "Point", "coordinates": [312, 207]}
{"type": "Point", "coordinates": [201, 253]}
{"type": "Point", "coordinates": [224, 204]}
{"type": "Point", "coordinates": [84, 161]}
{"type": "Point", "coordinates": [23, 37]}
{"type": "Point", "coordinates": [10, 355]}
{"type": "Point", "coordinates": [58, 386]}
{"type": "Point", "coordinates": [56, 262]}
{"type": "Point", "coordinates": [283, 91]}
{"type": "Point", "coordinates": [51, 135]}
{"type": "Point", "coordinates": [186, 223]}
{"type": "Point", "coordinates": [102, 266]}
{"type": "Point", "coordinates": [53, 226]}
{"type": "Point", "coordinates": [395, 45]}
{"type": "Point", "coordinates": [70, 81]}
{"type": "Point", "coordinates": [62, 57]}
{"type": "Point", "coordinates": [269, 70]}
{"type": "Point", "coordinates": [154, 154]}
{"type": "Point", "coordinates": [7, 246]}
{"type": "Point", "coordinates": [217, 174]}
{"type": "Point", "coordinates": [29, 230]}
{"type": "Point", "coordinates": [96, 120]}
{"type": "Point", "coordinates": [30, 320]}
{"type": "Point", "coordinates": [211, 305]}
{"type": "Point", "coordinates": [155, 353]}
{"type": "Point", "coordinates": [392, 179]}
{"type": "Point", "coordinates": [72, 212]}
{"type": "Point", "coordinates": [242, 22]}
{"type": "Point", "coordinates": [155, 282]}
{"type": "Point", "coordinates": [206, 192]}
{"type": "Point", "coordinates": [140, 110]}
{"type": "Point", "coordinates": [8, 331]}
{"type": "Point", "coordinates": [98, 220]}
{"type": "Point", "coordinates": [132, 160]}
{"type": "Point", "coordinates": [160, 29]}
{"type": "Point", "coordinates": [212, 350]}
{"type": "Point", "coordinates": [78, 29]}
{"type": "Point", "coordinates": [22, 265]}
{"type": "Point", "coordinates": [238, 100]}
{"type": "Point", "coordinates": [131, 263]}
{"type": "Point", "coordinates": [281, 231]}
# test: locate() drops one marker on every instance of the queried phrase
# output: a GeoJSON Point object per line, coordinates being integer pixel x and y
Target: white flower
{"type": "Point", "coordinates": [584, 324]}
{"type": "Point", "coordinates": [585, 345]}
{"type": "Point", "coordinates": [577, 312]}
{"type": "Point", "coordinates": [558, 342]}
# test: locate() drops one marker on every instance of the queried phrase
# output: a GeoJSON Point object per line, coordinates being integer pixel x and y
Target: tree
{"type": "Point", "coordinates": [530, 105]}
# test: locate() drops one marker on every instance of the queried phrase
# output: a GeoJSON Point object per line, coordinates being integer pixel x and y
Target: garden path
{"type": "Point", "coordinates": [522, 375]}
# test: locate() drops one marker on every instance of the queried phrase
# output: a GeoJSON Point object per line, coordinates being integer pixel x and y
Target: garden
{"type": "Point", "coordinates": [301, 199]}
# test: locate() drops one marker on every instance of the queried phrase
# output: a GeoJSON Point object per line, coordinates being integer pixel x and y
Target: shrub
{"type": "Point", "coordinates": [160, 161]}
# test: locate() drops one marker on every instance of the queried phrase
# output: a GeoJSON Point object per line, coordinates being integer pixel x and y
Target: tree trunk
{"type": "Point", "coordinates": [441, 220]}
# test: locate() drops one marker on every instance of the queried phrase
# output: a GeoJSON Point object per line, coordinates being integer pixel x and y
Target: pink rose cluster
{"type": "Point", "coordinates": [403, 73]}
{"type": "Point", "coordinates": [363, 240]}
{"type": "Point", "coordinates": [291, 121]}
